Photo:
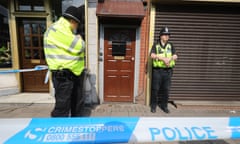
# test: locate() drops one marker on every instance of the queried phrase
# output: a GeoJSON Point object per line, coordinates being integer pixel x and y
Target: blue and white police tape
{"type": "Point", "coordinates": [36, 68]}
{"type": "Point", "coordinates": [117, 129]}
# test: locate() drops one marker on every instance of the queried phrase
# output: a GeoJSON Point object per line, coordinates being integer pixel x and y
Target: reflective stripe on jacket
{"type": "Point", "coordinates": [163, 52]}
{"type": "Point", "coordinates": [63, 49]}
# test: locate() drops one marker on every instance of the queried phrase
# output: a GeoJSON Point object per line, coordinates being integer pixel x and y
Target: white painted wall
{"type": "Point", "coordinates": [92, 48]}
{"type": "Point", "coordinates": [8, 84]}
{"type": "Point", "coordinates": [92, 37]}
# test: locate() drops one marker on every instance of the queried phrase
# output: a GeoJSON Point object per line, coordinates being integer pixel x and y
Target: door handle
{"type": "Point", "coordinates": [133, 58]}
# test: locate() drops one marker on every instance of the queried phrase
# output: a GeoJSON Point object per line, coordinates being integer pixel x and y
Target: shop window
{"type": "Point", "coordinates": [5, 47]}
{"type": "Point", "coordinates": [29, 5]}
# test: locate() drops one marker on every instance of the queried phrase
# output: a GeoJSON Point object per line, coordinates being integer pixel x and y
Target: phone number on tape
{"type": "Point", "coordinates": [69, 137]}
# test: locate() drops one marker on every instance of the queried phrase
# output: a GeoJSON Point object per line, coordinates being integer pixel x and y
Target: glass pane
{"type": "Point", "coordinates": [36, 54]}
{"type": "Point", "coordinates": [30, 5]}
{"type": "Point", "coordinates": [27, 54]}
{"type": "Point", "coordinates": [24, 5]}
{"type": "Point", "coordinates": [42, 28]}
{"type": "Point", "coordinates": [25, 8]}
{"type": "Point", "coordinates": [34, 28]}
{"type": "Point", "coordinates": [43, 55]}
{"type": "Point", "coordinates": [118, 48]}
{"type": "Point", "coordinates": [38, 8]}
{"type": "Point", "coordinates": [27, 42]}
{"type": "Point", "coordinates": [38, 5]}
{"type": "Point", "coordinates": [26, 29]}
{"type": "Point", "coordinates": [5, 47]}
{"type": "Point", "coordinates": [41, 42]}
{"type": "Point", "coordinates": [121, 36]}
{"type": "Point", "coordinates": [35, 42]}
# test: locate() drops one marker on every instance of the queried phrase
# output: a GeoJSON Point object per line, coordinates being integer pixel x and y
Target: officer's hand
{"type": "Point", "coordinates": [79, 36]}
{"type": "Point", "coordinates": [167, 61]}
{"type": "Point", "coordinates": [174, 57]}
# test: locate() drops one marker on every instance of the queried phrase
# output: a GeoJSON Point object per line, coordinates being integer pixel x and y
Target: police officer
{"type": "Point", "coordinates": [64, 53]}
{"type": "Point", "coordinates": [164, 56]}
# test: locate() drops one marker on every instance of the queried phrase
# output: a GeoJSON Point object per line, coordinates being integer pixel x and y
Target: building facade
{"type": "Point", "coordinates": [119, 35]}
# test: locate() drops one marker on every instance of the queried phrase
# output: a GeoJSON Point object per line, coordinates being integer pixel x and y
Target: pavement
{"type": "Point", "coordinates": [31, 105]}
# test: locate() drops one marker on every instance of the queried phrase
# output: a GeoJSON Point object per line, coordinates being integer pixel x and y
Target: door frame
{"type": "Point", "coordinates": [101, 59]}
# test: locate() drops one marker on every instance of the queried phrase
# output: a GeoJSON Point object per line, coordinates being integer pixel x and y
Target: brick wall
{"type": "Point", "coordinates": [144, 45]}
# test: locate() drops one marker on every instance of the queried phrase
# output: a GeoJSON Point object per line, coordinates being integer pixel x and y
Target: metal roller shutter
{"type": "Point", "coordinates": [207, 39]}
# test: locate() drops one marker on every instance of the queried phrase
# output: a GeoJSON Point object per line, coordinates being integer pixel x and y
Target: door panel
{"type": "Point", "coordinates": [119, 53]}
{"type": "Point", "coordinates": [31, 49]}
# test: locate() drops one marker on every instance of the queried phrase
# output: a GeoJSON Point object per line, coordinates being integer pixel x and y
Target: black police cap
{"type": "Point", "coordinates": [73, 13]}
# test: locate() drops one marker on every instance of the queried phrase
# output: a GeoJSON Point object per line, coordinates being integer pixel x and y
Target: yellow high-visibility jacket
{"type": "Point", "coordinates": [63, 49]}
{"type": "Point", "coordinates": [163, 52]}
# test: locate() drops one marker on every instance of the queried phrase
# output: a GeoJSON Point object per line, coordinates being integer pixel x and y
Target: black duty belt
{"type": "Point", "coordinates": [163, 69]}
{"type": "Point", "coordinates": [63, 73]}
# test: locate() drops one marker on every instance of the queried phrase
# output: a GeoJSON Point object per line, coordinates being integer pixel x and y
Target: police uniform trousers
{"type": "Point", "coordinates": [68, 94]}
{"type": "Point", "coordinates": [161, 82]}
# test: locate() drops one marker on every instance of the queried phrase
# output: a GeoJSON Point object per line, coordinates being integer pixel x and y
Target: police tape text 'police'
{"type": "Point", "coordinates": [185, 133]}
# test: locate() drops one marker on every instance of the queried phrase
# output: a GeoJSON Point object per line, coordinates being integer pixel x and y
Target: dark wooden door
{"type": "Point", "coordinates": [119, 56]}
{"type": "Point", "coordinates": [31, 54]}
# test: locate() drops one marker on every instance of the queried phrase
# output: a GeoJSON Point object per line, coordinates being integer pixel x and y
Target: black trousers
{"type": "Point", "coordinates": [68, 94]}
{"type": "Point", "coordinates": [161, 82]}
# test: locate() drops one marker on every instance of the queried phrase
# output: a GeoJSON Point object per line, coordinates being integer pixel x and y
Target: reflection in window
{"type": "Point", "coordinates": [27, 54]}
{"type": "Point", "coordinates": [42, 28]}
{"type": "Point", "coordinates": [26, 29]}
{"type": "Point", "coordinates": [5, 50]}
{"type": "Point", "coordinates": [36, 54]}
{"type": "Point", "coordinates": [27, 41]}
{"type": "Point", "coordinates": [34, 28]}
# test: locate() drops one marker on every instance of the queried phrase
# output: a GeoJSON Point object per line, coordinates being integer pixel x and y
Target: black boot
{"type": "Point", "coordinates": [164, 106]}
{"type": "Point", "coordinates": [153, 109]}
{"type": "Point", "coordinates": [165, 109]}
